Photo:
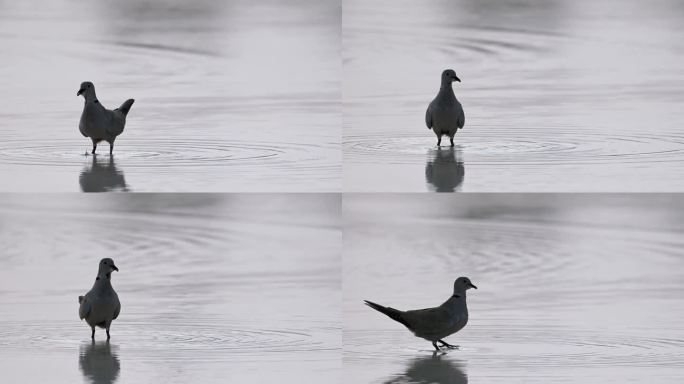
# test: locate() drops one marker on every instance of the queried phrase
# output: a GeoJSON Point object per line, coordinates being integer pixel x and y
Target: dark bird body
{"type": "Point", "coordinates": [445, 114]}
{"type": "Point", "coordinates": [101, 304]}
{"type": "Point", "coordinates": [434, 324]}
{"type": "Point", "coordinates": [99, 123]}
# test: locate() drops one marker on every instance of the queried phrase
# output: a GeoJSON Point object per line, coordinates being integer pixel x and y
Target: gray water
{"type": "Point", "coordinates": [230, 95]}
{"type": "Point", "coordinates": [214, 288]}
{"type": "Point", "coordinates": [572, 288]}
{"type": "Point", "coordinates": [558, 95]}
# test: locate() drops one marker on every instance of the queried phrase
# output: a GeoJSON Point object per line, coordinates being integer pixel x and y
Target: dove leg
{"type": "Point", "coordinates": [444, 343]}
{"type": "Point", "coordinates": [107, 328]}
{"type": "Point", "coordinates": [451, 138]}
{"type": "Point", "coordinates": [92, 335]}
{"type": "Point", "coordinates": [439, 140]}
{"type": "Point", "coordinates": [111, 147]}
{"type": "Point", "coordinates": [434, 344]}
{"type": "Point", "coordinates": [94, 146]}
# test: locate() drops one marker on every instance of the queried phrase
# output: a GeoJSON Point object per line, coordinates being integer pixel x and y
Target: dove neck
{"type": "Point", "coordinates": [103, 280]}
{"type": "Point", "coordinates": [90, 96]}
{"type": "Point", "coordinates": [456, 301]}
{"type": "Point", "coordinates": [446, 89]}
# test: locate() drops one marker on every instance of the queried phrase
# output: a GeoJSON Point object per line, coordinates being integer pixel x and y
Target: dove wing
{"type": "Point", "coordinates": [428, 116]}
{"type": "Point", "coordinates": [460, 122]}
{"type": "Point", "coordinates": [117, 310]}
{"type": "Point", "coordinates": [432, 320]}
{"type": "Point", "coordinates": [116, 121]}
{"type": "Point", "coordinates": [84, 308]}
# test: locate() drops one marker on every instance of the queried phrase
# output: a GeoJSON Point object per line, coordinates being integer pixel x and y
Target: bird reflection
{"type": "Point", "coordinates": [98, 362]}
{"type": "Point", "coordinates": [102, 176]}
{"type": "Point", "coordinates": [435, 369]}
{"type": "Point", "coordinates": [444, 170]}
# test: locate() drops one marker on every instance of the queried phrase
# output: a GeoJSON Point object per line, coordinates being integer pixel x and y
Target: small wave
{"type": "Point", "coordinates": [164, 339]}
{"type": "Point", "coordinates": [494, 147]}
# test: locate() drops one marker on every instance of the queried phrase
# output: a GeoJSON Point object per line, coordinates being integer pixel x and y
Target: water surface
{"type": "Point", "coordinates": [572, 288]}
{"type": "Point", "coordinates": [214, 288]}
{"type": "Point", "coordinates": [230, 95]}
{"type": "Point", "coordinates": [558, 95]}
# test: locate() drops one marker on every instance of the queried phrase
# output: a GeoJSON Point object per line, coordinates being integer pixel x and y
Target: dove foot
{"type": "Point", "coordinates": [434, 344]}
{"type": "Point", "coordinates": [449, 346]}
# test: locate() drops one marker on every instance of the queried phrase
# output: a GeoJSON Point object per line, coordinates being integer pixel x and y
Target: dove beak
{"type": "Point", "coordinates": [80, 91]}
{"type": "Point", "coordinates": [115, 268]}
{"type": "Point", "coordinates": [473, 285]}
{"type": "Point", "coordinates": [457, 79]}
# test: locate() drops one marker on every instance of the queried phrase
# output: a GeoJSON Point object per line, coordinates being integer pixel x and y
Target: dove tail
{"type": "Point", "coordinates": [390, 312]}
{"type": "Point", "coordinates": [126, 106]}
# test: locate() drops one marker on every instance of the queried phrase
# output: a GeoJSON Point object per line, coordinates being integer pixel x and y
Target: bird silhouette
{"type": "Point", "coordinates": [445, 114]}
{"type": "Point", "coordinates": [100, 123]}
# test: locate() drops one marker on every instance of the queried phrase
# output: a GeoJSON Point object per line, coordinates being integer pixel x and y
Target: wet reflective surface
{"type": "Point", "coordinates": [230, 95]}
{"type": "Point", "coordinates": [102, 175]}
{"type": "Point", "coordinates": [572, 288]}
{"type": "Point", "coordinates": [444, 170]}
{"type": "Point", "coordinates": [99, 362]}
{"type": "Point", "coordinates": [558, 96]}
{"type": "Point", "coordinates": [213, 288]}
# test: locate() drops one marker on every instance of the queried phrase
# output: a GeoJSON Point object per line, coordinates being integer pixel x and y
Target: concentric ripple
{"type": "Point", "coordinates": [492, 148]}
{"type": "Point", "coordinates": [533, 347]}
{"type": "Point", "coordinates": [155, 153]}
{"type": "Point", "coordinates": [164, 339]}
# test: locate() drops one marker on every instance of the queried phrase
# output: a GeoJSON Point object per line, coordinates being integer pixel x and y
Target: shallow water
{"type": "Point", "coordinates": [572, 288]}
{"type": "Point", "coordinates": [214, 288]}
{"type": "Point", "coordinates": [230, 95]}
{"type": "Point", "coordinates": [558, 95]}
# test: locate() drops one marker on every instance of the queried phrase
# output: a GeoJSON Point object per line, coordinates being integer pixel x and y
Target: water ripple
{"type": "Point", "coordinates": [161, 155]}
{"type": "Point", "coordinates": [550, 346]}
{"type": "Point", "coordinates": [493, 147]}
{"type": "Point", "coordinates": [164, 338]}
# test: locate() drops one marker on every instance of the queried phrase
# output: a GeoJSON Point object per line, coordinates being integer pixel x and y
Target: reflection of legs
{"type": "Point", "coordinates": [444, 343]}
{"type": "Point", "coordinates": [434, 344]}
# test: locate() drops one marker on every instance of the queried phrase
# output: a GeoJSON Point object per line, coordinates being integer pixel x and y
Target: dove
{"type": "Point", "coordinates": [101, 304]}
{"type": "Point", "coordinates": [99, 123]}
{"type": "Point", "coordinates": [434, 324]}
{"type": "Point", "coordinates": [445, 114]}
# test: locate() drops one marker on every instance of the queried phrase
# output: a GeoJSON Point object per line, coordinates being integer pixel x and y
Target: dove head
{"type": "Point", "coordinates": [87, 89]}
{"type": "Point", "coordinates": [462, 284]}
{"type": "Point", "coordinates": [106, 268]}
{"type": "Point", "coordinates": [449, 76]}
